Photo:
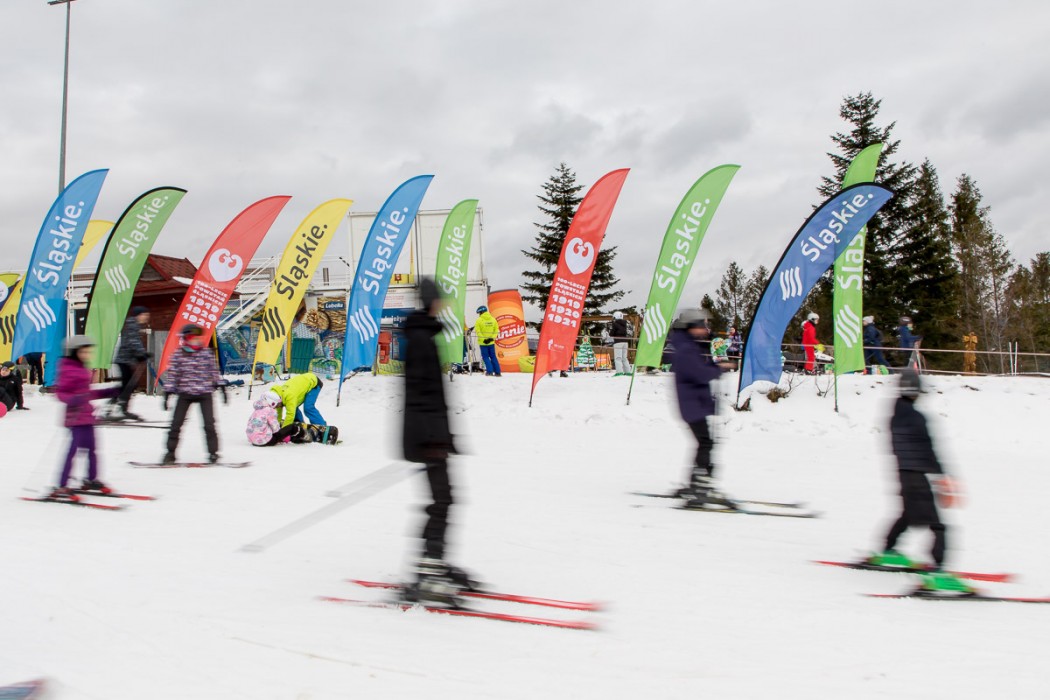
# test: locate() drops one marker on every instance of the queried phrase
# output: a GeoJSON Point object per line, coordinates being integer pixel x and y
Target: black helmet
{"type": "Point", "coordinates": [8, 365]}
{"type": "Point", "coordinates": [190, 330]}
{"type": "Point", "coordinates": [910, 384]}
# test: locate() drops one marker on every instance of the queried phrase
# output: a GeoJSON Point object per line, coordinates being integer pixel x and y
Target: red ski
{"type": "Point", "coordinates": [190, 465]}
{"type": "Point", "coordinates": [129, 496]}
{"type": "Point", "coordinates": [493, 595]}
{"type": "Point", "coordinates": [85, 504]}
{"type": "Point", "coordinates": [461, 612]}
{"type": "Point", "coordinates": [971, 575]}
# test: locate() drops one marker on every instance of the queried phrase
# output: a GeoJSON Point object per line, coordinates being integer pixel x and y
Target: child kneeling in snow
{"type": "Point", "coordinates": [263, 427]}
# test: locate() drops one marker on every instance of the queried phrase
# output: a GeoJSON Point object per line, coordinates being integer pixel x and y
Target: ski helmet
{"type": "Point", "coordinates": [813, 316]}
{"type": "Point", "coordinates": [75, 342]}
{"type": "Point", "coordinates": [482, 309]}
{"type": "Point", "coordinates": [868, 320]}
{"type": "Point", "coordinates": [905, 320]}
{"type": "Point", "coordinates": [191, 330]}
{"type": "Point", "coordinates": [910, 384]}
{"type": "Point", "coordinates": [272, 398]}
{"type": "Point", "coordinates": [8, 365]}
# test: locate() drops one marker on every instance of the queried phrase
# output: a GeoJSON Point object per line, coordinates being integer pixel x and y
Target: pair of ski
{"type": "Point", "coordinates": [922, 594]}
{"type": "Point", "coordinates": [582, 606]}
{"type": "Point", "coordinates": [94, 504]}
{"type": "Point", "coordinates": [774, 509]}
{"type": "Point", "coordinates": [190, 465]}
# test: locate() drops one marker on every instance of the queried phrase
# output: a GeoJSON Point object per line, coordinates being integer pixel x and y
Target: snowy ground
{"type": "Point", "coordinates": [157, 601]}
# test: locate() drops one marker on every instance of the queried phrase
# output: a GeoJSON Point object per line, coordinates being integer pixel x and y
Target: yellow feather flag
{"type": "Point", "coordinates": [298, 265]}
{"type": "Point", "coordinates": [96, 231]}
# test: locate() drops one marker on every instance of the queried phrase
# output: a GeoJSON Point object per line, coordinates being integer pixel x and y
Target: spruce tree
{"type": "Point", "coordinates": [558, 203]}
{"type": "Point", "coordinates": [929, 279]}
{"type": "Point", "coordinates": [882, 271]}
{"type": "Point", "coordinates": [731, 294]}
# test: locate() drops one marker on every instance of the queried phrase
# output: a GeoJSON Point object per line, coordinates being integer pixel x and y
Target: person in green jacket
{"type": "Point", "coordinates": [296, 396]}
{"type": "Point", "coordinates": [487, 330]}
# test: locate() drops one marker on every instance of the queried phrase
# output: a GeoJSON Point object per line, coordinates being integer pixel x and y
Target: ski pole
{"type": "Point", "coordinates": [373, 484]}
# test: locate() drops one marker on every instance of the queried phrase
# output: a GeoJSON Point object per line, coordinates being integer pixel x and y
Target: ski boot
{"type": "Point", "coordinates": [706, 497]}
{"type": "Point", "coordinates": [213, 458]}
{"type": "Point", "coordinates": [891, 558]}
{"type": "Point", "coordinates": [944, 583]}
{"type": "Point", "coordinates": [62, 493]}
{"type": "Point", "coordinates": [434, 586]}
{"type": "Point", "coordinates": [168, 459]}
{"type": "Point", "coordinates": [94, 486]}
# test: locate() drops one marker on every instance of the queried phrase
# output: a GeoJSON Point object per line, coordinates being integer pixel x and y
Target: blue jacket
{"type": "Point", "coordinates": [872, 336]}
{"type": "Point", "coordinates": [907, 337]}
{"type": "Point", "coordinates": [694, 370]}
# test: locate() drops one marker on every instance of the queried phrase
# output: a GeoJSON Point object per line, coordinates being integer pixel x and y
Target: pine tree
{"type": "Point", "coordinates": [929, 289]}
{"type": "Point", "coordinates": [559, 202]}
{"type": "Point", "coordinates": [732, 291]}
{"type": "Point", "coordinates": [756, 284]}
{"type": "Point", "coordinates": [882, 273]}
{"type": "Point", "coordinates": [984, 268]}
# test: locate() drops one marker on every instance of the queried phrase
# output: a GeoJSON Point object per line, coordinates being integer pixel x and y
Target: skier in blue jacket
{"type": "Point", "coordinates": [694, 370]}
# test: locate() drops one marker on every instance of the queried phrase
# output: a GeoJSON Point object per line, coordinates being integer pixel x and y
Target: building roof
{"type": "Point", "coordinates": [158, 276]}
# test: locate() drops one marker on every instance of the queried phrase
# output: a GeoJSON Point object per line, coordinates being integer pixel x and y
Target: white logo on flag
{"type": "Point", "coordinates": [362, 322]}
{"type": "Point", "coordinates": [39, 313]}
{"type": "Point", "coordinates": [118, 279]}
{"type": "Point", "coordinates": [791, 283]}
{"type": "Point", "coordinates": [654, 324]}
{"type": "Point", "coordinates": [847, 326]}
{"type": "Point", "coordinates": [224, 265]}
{"type": "Point", "coordinates": [4, 291]}
{"type": "Point", "coordinates": [450, 324]}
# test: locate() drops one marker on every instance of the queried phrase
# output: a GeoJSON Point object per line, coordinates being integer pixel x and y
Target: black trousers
{"type": "Point", "coordinates": [437, 511]}
{"type": "Point", "coordinates": [128, 379]}
{"type": "Point", "coordinates": [182, 407]}
{"type": "Point", "coordinates": [36, 369]}
{"type": "Point", "coordinates": [919, 510]}
{"type": "Point", "coordinates": [702, 465]}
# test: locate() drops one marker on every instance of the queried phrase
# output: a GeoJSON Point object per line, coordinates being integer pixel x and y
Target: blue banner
{"type": "Point", "coordinates": [387, 236]}
{"type": "Point", "coordinates": [812, 251]}
{"type": "Point", "coordinates": [41, 322]}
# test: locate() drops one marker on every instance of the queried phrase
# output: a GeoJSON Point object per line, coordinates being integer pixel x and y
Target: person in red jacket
{"type": "Point", "coordinates": [809, 340]}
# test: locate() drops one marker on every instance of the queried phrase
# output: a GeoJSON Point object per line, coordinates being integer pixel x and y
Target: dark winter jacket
{"type": "Point", "coordinates": [73, 388]}
{"type": "Point", "coordinates": [618, 330]}
{"type": "Point", "coordinates": [192, 373]}
{"type": "Point", "coordinates": [131, 349]}
{"type": "Point", "coordinates": [872, 336]}
{"type": "Point", "coordinates": [912, 444]}
{"type": "Point", "coordinates": [694, 370]}
{"type": "Point", "coordinates": [736, 344]}
{"type": "Point", "coordinates": [908, 339]}
{"type": "Point", "coordinates": [11, 390]}
{"type": "Point", "coordinates": [427, 436]}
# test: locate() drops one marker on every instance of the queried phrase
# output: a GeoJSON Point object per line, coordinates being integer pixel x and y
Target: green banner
{"type": "Point", "coordinates": [451, 278]}
{"type": "Point", "coordinates": [848, 300]}
{"type": "Point", "coordinates": [681, 242]}
{"type": "Point", "coordinates": [121, 265]}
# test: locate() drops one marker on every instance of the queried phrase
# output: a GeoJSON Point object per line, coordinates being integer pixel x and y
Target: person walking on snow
{"type": "Point", "coordinates": [427, 440]}
{"type": "Point", "coordinates": [873, 356]}
{"type": "Point", "coordinates": [297, 396]}
{"type": "Point", "coordinates": [620, 335]}
{"type": "Point", "coordinates": [193, 377]}
{"type": "Point", "coordinates": [487, 329]}
{"type": "Point", "coordinates": [131, 354]}
{"type": "Point", "coordinates": [810, 342]}
{"type": "Point", "coordinates": [923, 483]}
{"type": "Point", "coordinates": [73, 388]}
{"type": "Point", "coordinates": [694, 370]}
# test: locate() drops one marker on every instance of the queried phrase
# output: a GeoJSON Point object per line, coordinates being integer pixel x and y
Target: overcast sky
{"type": "Point", "coordinates": [237, 100]}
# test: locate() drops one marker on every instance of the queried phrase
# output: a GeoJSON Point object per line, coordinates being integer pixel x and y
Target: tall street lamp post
{"type": "Point", "coordinates": [65, 98]}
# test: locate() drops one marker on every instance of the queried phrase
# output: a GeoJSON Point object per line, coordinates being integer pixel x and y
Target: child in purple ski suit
{"type": "Point", "coordinates": [74, 389]}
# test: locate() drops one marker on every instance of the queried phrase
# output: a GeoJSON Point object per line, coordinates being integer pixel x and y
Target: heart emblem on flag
{"type": "Point", "coordinates": [224, 265]}
{"type": "Point", "coordinates": [578, 256]}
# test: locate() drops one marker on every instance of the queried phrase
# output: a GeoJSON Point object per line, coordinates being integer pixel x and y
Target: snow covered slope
{"type": "Point", "coordinates": [157, 601]}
